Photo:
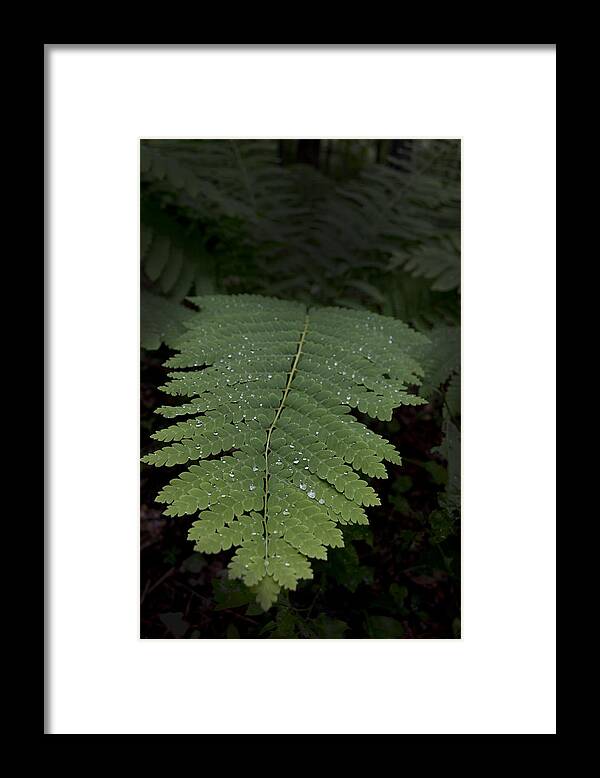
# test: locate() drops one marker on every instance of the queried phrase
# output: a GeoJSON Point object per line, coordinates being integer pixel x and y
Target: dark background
{"type": "Point", "coordinates": [373, 224]}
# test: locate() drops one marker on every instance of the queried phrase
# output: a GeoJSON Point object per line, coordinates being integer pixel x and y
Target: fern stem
{"type": "Point", "coordinates": [272, 427]}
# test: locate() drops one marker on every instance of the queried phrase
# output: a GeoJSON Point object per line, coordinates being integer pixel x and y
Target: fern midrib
{"type": "Point", "coordinates": [272, 427]}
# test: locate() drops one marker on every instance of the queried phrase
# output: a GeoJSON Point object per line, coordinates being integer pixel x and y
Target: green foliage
{"type": "Point", "coordinates": [231, 594]}
{"type": "Point", "coordinates": [308, 236]}
{"type": "Point", "coordinates": [437, 261]}
{"type": "Point", "coordinates": [288, 623]}
{"type": "Point", "coordinates": [443, 520]}
{"type": "Point", "coordinates": [174, 257]}
{"type": "Point", "coordinates": [224, 182]}
{"type": "Point", "coordinates": [345, 568]}
{"type": "Point", "coordinates": [275, 452]}
{"type": "Point", "coordinates": [441, 361]}
{"type": "Point", "coordinates": [440, 358]}
{"type": "Point", "coordinates": [383, 627]}
{"type": "Point", "coordinates": [161, 321]}
{"type": "Point", "coordinates": [175, 624]}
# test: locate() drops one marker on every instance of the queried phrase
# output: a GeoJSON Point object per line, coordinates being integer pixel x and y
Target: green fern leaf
{"type": "Point", "coordinates": [273, 453]}
{"type": "Point", "coordinates": [162, 321]}
{"type": "Point", "coordinates": [437, 261]}
{"type": "Point", "coordinates": [441, 361]}
{"type": "Point", "coordinates": [440, 358]}
{"type": "Point", "coordinates": [312, 235]}
{"type": "Point", "coordinates": [173, 259]}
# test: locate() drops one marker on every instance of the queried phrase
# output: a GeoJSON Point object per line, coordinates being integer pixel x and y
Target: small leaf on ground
{"type": "Point", "coordinates": [175, 623]}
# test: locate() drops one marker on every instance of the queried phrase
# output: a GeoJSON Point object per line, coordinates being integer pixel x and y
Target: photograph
{"type": "Point", "coordinates": [300, 388]}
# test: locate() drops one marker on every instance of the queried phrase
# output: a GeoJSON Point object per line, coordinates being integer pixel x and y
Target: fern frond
{"type": "Point", "coordinates": [440, 358]}
{"type": "Point", "coordinates": [441, 362]}
{"type": "Point", "coordinates": [237, 179]}
{"type": "Point", "coordinates": [275, 452]}
{"type": "Point", "coordinates": [438, 261]}
{"type": "Point", "coordinates": [412, 300]}
{"type": "Point", "coordinates": [174, 259]}
{"type": "Point", "coordinates": [162, 321]}
{"type": "Point", "coordinates": [443, 520]}
{"type": "Point", "coordinates": [310, 234]}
